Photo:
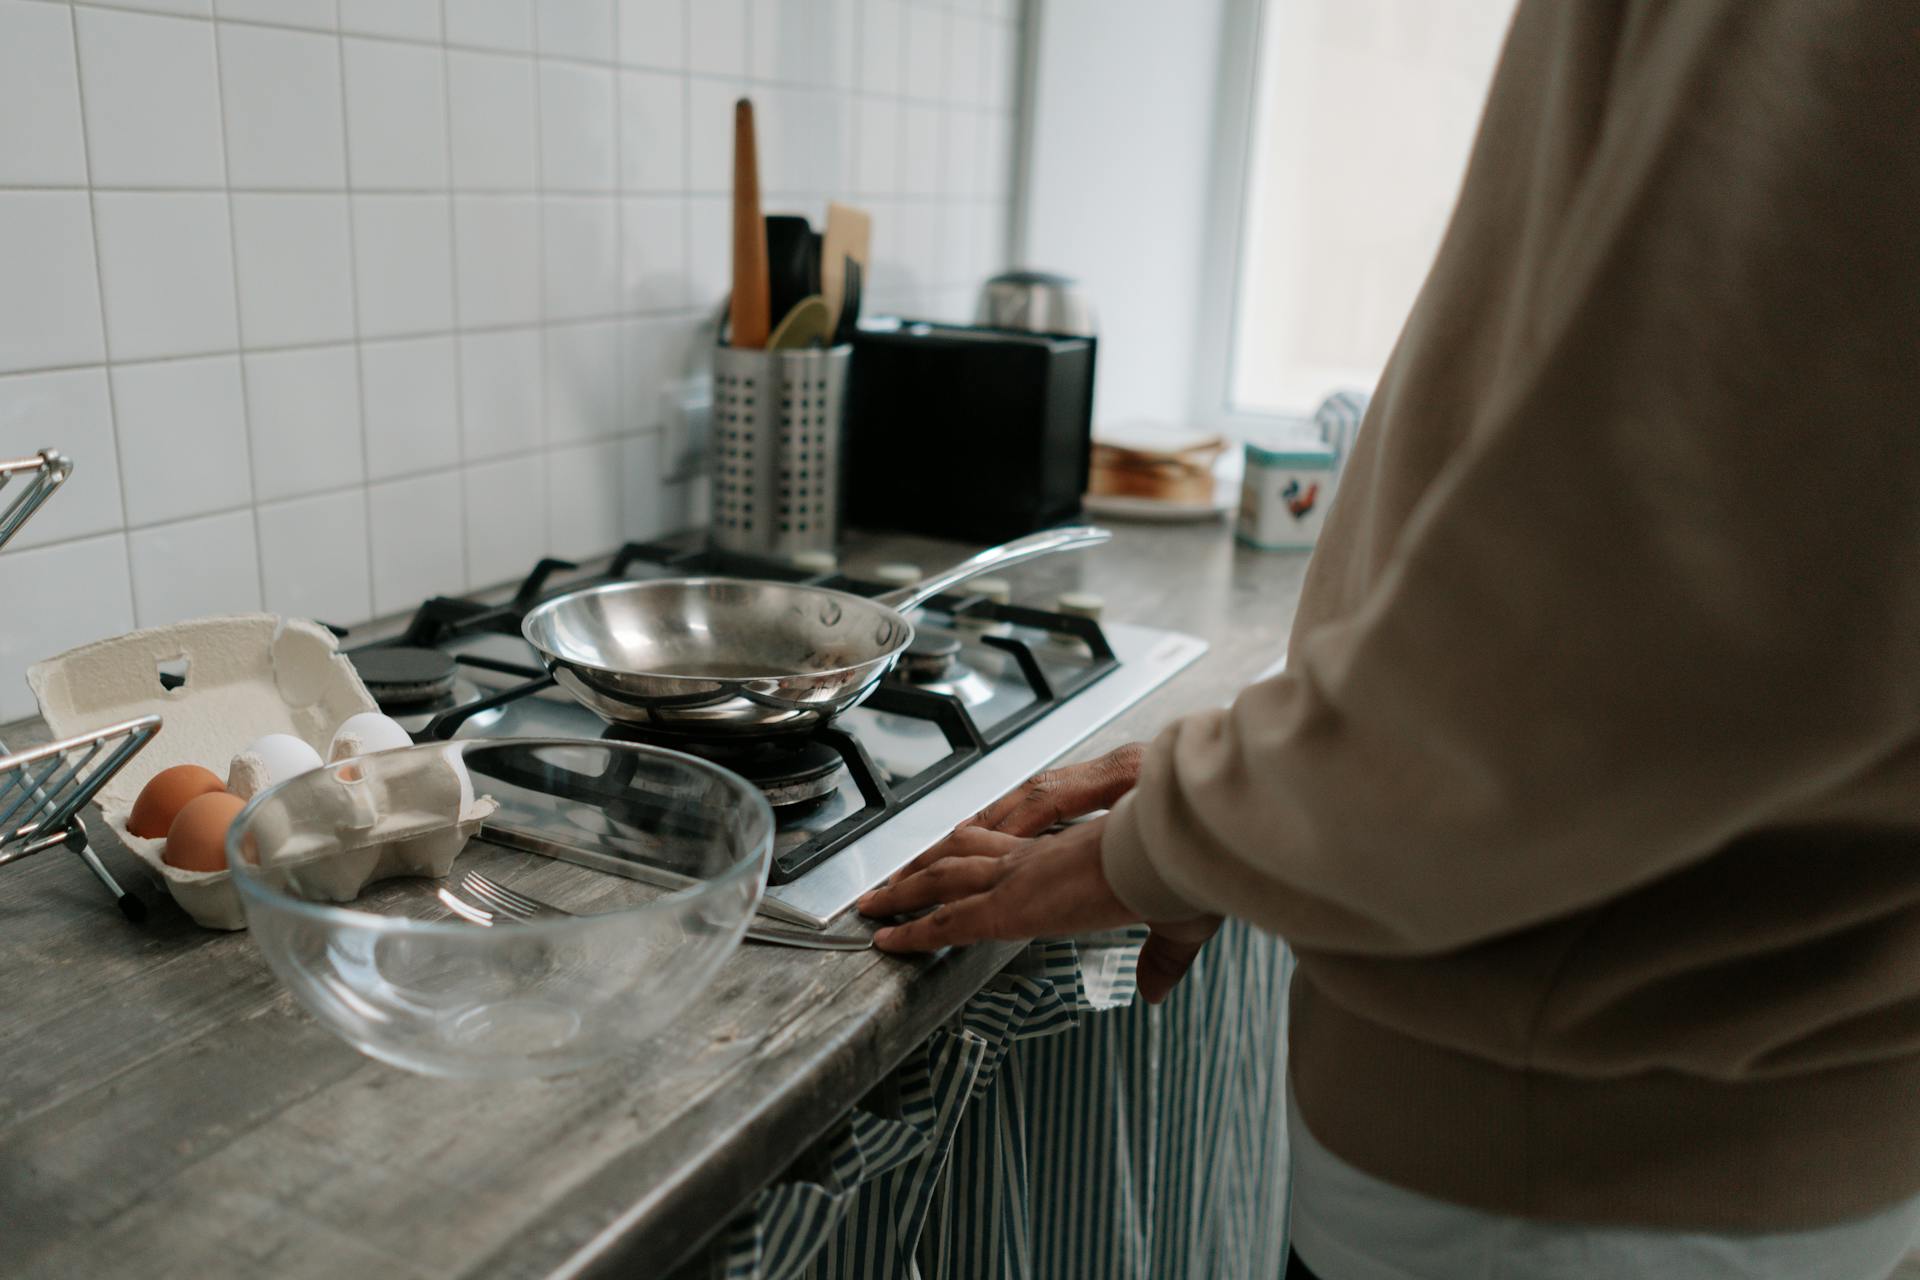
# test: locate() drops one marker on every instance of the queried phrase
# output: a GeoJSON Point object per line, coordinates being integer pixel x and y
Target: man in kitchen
{"type": "Point", "coordinates": [1590, 799]}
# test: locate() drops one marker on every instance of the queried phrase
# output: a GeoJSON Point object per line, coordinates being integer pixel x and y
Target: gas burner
{"type": "Point", "coordinates": [932, 662]}
{"type": "Point", "coordinates": [405, 679]}
{"type": "Point", "coordinates": [962, 682]}
{"type": "Point", "coordinates": [416, 716]}
{"type": "Point", "coordinates": [789, 772]}
{"type": "Point", "coordinates": [930, 656]}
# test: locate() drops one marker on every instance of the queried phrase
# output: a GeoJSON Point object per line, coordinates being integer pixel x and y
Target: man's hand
{"type": "Point", "coordinates": [986, 884]}
{"type": "Point", "coordinates": [1041, 803]}
{"type": "Point", "coordinates": [1061, 795]}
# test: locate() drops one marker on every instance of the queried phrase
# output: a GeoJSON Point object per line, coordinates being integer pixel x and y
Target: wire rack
{"type": "Point", "coordinates": [48, 470]}
{"type": "Point", "coordinates": [43, 789]}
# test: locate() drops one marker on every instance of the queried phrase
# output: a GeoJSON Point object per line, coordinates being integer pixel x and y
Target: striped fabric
{"type": "Point", "coordinates": [1146, 1142]}
{"type": "Point", "coordinates": [1059, 1128]}
{"type": "Point", "coordinates": [863, 1214]}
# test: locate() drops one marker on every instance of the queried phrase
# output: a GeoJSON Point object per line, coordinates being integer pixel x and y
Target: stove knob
{"type": "Point", "coordinates": [816, 562]}
{"type": "Point", "coordinates": [898, 575]}
{"type": "Point", "coordinates": [1081, 604]}
{"type": "Point", "coordinates": [997, 590]}
{"type": "Point", "coordinates": [994, 590]}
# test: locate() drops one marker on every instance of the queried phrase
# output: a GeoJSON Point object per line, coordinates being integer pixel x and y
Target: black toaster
{"type": "Point", "coordinates": [953, 431]}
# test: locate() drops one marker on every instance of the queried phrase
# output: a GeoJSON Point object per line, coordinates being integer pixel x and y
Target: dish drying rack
{"type": "Point", "coordinates": [43, 789]}
{"type": "Point", "coordinates": [49, 470]}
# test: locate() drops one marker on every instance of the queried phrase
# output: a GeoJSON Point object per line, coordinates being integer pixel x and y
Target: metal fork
{"type": "Point", "coordinates": [492, 902]}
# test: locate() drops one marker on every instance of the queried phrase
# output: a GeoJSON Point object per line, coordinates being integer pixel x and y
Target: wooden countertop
{"type": "Point", "coordinates": [167, 1110]}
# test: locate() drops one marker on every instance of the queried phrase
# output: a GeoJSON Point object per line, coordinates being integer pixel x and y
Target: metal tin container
{"type": "Point", "coordinates": [778, 421]}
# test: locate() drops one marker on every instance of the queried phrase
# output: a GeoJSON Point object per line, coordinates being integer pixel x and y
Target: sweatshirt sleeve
{"type": "Point", "coordinates": [1668, 588]}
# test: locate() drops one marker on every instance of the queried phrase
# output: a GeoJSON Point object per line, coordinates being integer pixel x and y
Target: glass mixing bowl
{"type": "Point", "coordinates": [659, 857]}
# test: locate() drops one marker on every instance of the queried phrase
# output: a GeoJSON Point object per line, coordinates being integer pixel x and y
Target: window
{"type": "Point", "coordinates": [1354, 131]}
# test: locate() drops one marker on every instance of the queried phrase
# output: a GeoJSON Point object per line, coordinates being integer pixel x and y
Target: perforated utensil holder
{"type": "Point", "coordinates": [778, 421]}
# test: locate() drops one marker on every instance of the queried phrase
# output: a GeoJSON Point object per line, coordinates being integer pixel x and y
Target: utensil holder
{"type": "Point", "coordinates": [778, 421]}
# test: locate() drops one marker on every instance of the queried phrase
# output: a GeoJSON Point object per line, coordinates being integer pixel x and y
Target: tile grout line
{"type": "Point", "coordinates": [800, 194]}
{"type": "Point", "coordinates": [815, 85]}
{"type": "Point", "coordinates": [240, 360]}
{"type": "Point", "coordinates": [100, 294]}
{"type": "Point", "coordinates": [620, 353]}
{"type": "Point", "coordinates": [332, 491]}
{"type": "Point", "coordinates": [325, 344]}
{"type": "Point", "coordinates": [453, 280]}
{"type": "Point", "coordinates": [686, 229]}
{"type": "Point", "coordinates": [540, 258]}
{"type": "Point", "coordinates": [349, 190]}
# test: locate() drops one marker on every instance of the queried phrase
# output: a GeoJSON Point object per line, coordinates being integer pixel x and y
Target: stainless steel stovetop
{"type": "Point", "coordinates": [920, 757]}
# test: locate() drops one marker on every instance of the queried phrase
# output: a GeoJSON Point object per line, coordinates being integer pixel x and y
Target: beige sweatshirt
{"type": "Point", "coordinates": [1591, 796]}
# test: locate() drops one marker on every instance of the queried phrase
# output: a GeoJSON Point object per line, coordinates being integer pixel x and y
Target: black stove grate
{"type": "Point", "coordinates": [443, 620]}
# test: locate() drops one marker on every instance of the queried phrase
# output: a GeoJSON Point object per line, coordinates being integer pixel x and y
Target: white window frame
{"type": "Point", "coordinates": [1236, 114]}
{"type": "Point", "coordinates": [1235, 109]}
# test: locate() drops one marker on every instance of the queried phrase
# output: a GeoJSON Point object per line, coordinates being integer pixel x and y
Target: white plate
{"type": "Point", "coordinates": [1124, 507]}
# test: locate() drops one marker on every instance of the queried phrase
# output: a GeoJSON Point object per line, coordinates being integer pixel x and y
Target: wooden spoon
{"type": "Point", "coordinates": [752, 302]}
{"type": "Point", "coordinates": [849, 233]}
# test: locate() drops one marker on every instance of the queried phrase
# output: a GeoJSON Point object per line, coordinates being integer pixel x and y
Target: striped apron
{"type": "Point", "coordinates": [1056, 1129]}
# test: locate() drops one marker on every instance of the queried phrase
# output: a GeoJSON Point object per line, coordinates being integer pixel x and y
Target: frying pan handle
{"type": "Point", "coordinates": [1044, 543]}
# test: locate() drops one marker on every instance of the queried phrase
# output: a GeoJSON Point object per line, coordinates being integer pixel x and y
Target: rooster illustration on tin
{"type": "Point", "coordinates": [1300, 501]}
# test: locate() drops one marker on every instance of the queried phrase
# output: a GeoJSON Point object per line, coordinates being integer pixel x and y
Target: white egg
{"type": "Point", "coordinates": [459, 767]}
{"type": "Point", "coordinates": [366, 733]}
{"type": "Point", "coordinates": [269, 760]}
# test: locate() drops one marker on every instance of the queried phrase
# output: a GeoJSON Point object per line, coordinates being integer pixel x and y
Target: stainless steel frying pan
{"type": "Point", "coordinates": [720, 657]}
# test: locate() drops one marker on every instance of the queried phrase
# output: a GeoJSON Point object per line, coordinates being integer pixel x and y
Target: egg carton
{"type": "Point", "coordinates": [220, 684]}
{"type": "Point", "coordinates": [329, 842]}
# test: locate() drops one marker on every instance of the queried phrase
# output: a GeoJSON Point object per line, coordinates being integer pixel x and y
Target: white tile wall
{"type": "Point", "coordinates": [396, 115]}
{"type": "Point", "coordinates": [497, 247]}
{"type": "Point", "coordinates": [183, 438]}
{"type": "Point", "coordinates": [151, 100]}
{"type": "Point", "coordinates": [39, 97]}
{"type": "Point", "coordinates": [577, 122]}
{"type": "Point", "coordinates": [341, 303]}
{"type": "Point", "coordinates": [194, 568]}
{"type": "Point", "coordinates": [403, 264]}
{"type": "Point", "coordinates": [575, 28]}
{"type": "Point", "coordinates": [412, 406]}
{"type": "Point", "coordinates": [583, 499]}
{"type": "Point", "coordinates": [582, 256]}
{"type": "Point", "coordinates": [416, 539]}
{"type": "Point", "coordinates": [583, 381]}
{"type": "Point", "coordinates": [313, 556]}
{"type": "Point", "coordinates": [166, 272]}
{"type": "Point", "coordinates": [281, 94]}
{"type": "Point", "coordinates": [73, 403]}
{"type": "Point", "coordinates": [500, 393]}
{"type": "Point", "coordinates": [51, 315]}
{"type": "Point", "coordinates": [43, 574]}
{"type": "Point", "coordinates": [293, 257]}
{"type": "Point", "coordinates": [653, 33]}
{"type": "Point", "coordinates": [491, 24]}
{"type": "Point", "coordinates": [303, 408]}
{"type": "Point", "coordinates": [492, 112]}
{"type": "Point", "coordinates": [403, 19]}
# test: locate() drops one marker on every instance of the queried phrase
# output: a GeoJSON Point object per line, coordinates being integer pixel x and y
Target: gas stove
{"type": "Point", "coordinates": [989, 694]}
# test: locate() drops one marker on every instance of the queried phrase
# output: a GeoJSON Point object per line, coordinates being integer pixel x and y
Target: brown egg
{"type": "Point", "coordinates": [166, 794]}
{"type": "Point", "coordinates": [198, 838]}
